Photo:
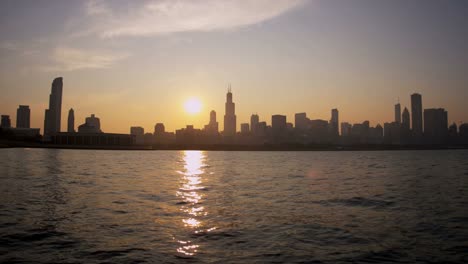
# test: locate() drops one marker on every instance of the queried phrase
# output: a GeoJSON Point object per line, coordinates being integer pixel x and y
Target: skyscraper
{"type": "Point", "coordinates": [230, 116]}
{"type": "Point", "coordinates": [71, 121]}
{"type": "Point", "coordinates": [435, 125]}
{"type": "Point", "coordinates": [5, 121]}
{"type": "Point", "coordinates": [398, 113]}
{"type": "Point", "coordinates": [254, 119]}
{"type": "Point", "coordinates": [417, 115]}
{"type": "Point", "coordinates": [23, 116]}
{"type": "Point", "coordinates": [53, 115]}
{"type": "Point", "coordinates": [334, 129]}
{"type": "Point", "coordinates": [405, 125]}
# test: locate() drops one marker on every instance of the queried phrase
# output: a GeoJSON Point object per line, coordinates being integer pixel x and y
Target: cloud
{"type": "Point", "coordinates": [155, 17]}
{"type": "Point", "coordinates": [70, 59]}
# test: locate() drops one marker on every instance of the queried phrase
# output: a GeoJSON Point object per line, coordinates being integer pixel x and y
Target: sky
{"type": "Point", "coordinates": [135, 63]}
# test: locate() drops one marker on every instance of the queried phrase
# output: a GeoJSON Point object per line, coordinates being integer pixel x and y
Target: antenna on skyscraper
{"type": "Point", "coordinates": [229, 87]}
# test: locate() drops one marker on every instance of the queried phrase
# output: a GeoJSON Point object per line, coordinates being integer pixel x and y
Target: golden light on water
{"type": "Point", "coordinates": [190, 193]}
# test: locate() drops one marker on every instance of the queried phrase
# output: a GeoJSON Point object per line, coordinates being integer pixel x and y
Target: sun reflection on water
{"type": "Point", "coordinates": [190, 192]}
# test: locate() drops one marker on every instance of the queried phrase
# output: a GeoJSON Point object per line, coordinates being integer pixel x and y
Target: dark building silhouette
{"type": "Point", "coordinates": [71, 121]}
{"type": "Point", "coordinates": [301, 121]}
{"type": "Point", "coordinates": [159, 128]}
{"type": "Point", "coordinates": [376, 134]}
{"type": "Point", "coordinates": [230, 116]}
{"type": "Point", "coordinates": [318, 131]}
{"type": "Point", "coordinates": [6, 123]}
{"type": "Point", "coordinates": [463, 133]}
{"type": "Point", "coordinates": [435, 125]}
{"type": "Point", "coordinates": [392, 133]}
{"type": "Point", "coordinates": [53, 115]}
{"type": "Point", "coordinates": [245, 129]}
{"type": "Point", "coordinates": [212, 127]}
{"type": "Point", "coordinates": [346, 129]}
{"type": "Point", "coordinates": [92, 125]}
{"type": "Point", "coordinates": [23, 117]}
{"type": "Point", "coordinates": [139, 134]}
{"type": "Point", "coordinates": [254, 119]}
{"type": "Point", "coordinates": [405, 124]}
{"type": "Point", "coordinates": [334, 121]}
{"type": "Point", "coordinates": [278, 128]}
{"type": "Point", "coordinates": [417, 116]}
{"type": "Point", "coordinates": [93, 139]}
{"type": "Point", "coordinates": [398, 113]}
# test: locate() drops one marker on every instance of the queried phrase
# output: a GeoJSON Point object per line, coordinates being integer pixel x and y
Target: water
{"type": "Point", "coordinates": [85, 206]}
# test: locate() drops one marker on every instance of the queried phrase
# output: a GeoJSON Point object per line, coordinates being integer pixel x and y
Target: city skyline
{"type": "Point", "coordinates": [295, 56]}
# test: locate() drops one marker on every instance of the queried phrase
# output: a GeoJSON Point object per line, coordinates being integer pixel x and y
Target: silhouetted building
{"type": "Point", "coordinates": [463, 133]}
{"type": "Point", "coordinates": [71, 121]}
{"type": "Point", "coordinates": [417, 116]}
{"type": "Point", "coordinates": [392, 133]}
{"type": "Point", "coordinates": [159, 128]}
{"type": "Point", "coordinates": [139, 134]}
{"type": "Point", "coordinates": [318, 130]}
{"type": "Point", "coordinates": [245, 128]}
{"type": "Point", "coordinates": [92, 125]}
{"type": "Point", "coordinates": [23, 116]}
{"type": "Point", "coordinates": [188, 135]}
{"type": "Point", "coordinates": [230, 116]}
{"type": "Point", "coordinates": [376, 134]}
{"type": "Point", "coordinates": [398, 113]}
{"type": "Point", "coordinates": [345, 129]}
{"type": "Point", "coordinates": [453, 134]}
{"type": "Point", "coordinates": [301, 121]}
{"type": "Point", "coordinates": [6, 123]}
{"type": "Point", "coordinates": [53, 115]}
{"type": "Point", "coordinates": [212, 127]}
{"type": "Point", "coordinates": [435, 126]}
{"type": "Point", "coordinates": [405, 136]}
{"type": "Point", "coordinates": [254, 119]}
{"type": "Point", "coordinates": [334, 121]}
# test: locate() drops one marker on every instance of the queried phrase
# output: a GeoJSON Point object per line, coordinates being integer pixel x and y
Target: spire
{"type": "Point", "coordinates": [229, 87]}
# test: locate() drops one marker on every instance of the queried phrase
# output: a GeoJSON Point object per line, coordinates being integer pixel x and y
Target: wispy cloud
{"type": "Point", "coordinates": [69, 59]}
{"type": "Point", "coordinates": [154, 17]}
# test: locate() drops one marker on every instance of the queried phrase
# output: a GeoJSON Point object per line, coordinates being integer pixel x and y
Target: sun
{"type": "Point", "coordinates": [193, 106]}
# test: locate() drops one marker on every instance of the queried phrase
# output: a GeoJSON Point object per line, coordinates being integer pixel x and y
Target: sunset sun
{"type": "Point", "coordinates": [192, 106]}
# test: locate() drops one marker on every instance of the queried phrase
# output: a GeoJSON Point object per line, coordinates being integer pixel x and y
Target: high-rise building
{"type": "Point", "coordinates": [345, 129]}
{"type": "Point", "coordinates": [71, 121]}
{"type": "Point", "coordinates": [92, 125]}
{"type": "Point", "coordinates": [159, 129]}
{"type": "Point", "coordinates": [254, 119]}
{"type": "Point", "coordinates": [435, 125]}
{"type": "Point", "coordinates": [245, 128]}
{"type": "Point", "coordinates": [212, 127]}
{"type": "Point", "coordinates": [53, 115]}
{"type": "Point", "coordinates": [23, 116]}
{"type": "Point", "coordinates": [6, 123]}
{"type": "Point", "coordinates": [417, 115]}
{"type": "Point", "coordinates": [301, 121]}
{"type": "Point", "coordinates": [405, 125]}
{"type": "Point", "coordinates": [398, 113]}
{"type": "Point", "coordinates": [230, 116]}
{"type": "Point", "coordinates": [334, 121]}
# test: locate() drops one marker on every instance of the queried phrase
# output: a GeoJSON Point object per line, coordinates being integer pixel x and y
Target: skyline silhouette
{"type": "Point", "coordinates": [290, 56]}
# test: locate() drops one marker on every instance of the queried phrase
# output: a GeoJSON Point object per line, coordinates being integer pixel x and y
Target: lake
{"type": "Point", "coordinates": [96, 206]}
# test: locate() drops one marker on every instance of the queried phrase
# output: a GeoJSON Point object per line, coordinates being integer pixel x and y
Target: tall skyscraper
{"type": "Point", "coordinates": [398, 113]}
{"type": "Point", "coordinates": [417, 115]}
{"type": "Point", "coordinates": [23, 116]}
{"type": "Point", "coordinates": [53, 115]}
{"type": "Point", "coordinates": [406, 120]}
{"type": "Point", "coordinates": [334, 123]}
{"type": "Point", "coordinates": [212, 127]}
{"type": "Point", "coordinates": [254, 119]}
{"type": "Point", "coordinates": [71, 121]}
{"type": "Point", "coordinates": [230, 116]}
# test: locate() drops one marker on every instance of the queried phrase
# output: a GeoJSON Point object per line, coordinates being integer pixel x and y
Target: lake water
{"type": "Point", "coordinates": [86, 206]}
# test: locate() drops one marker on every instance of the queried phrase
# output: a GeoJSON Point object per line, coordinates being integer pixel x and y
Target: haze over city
{"type": "Point", "coordinates": [139, 63]}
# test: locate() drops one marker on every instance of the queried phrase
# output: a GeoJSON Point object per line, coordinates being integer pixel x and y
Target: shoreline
{"type": "Point", "coordinates": [290, 147]}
